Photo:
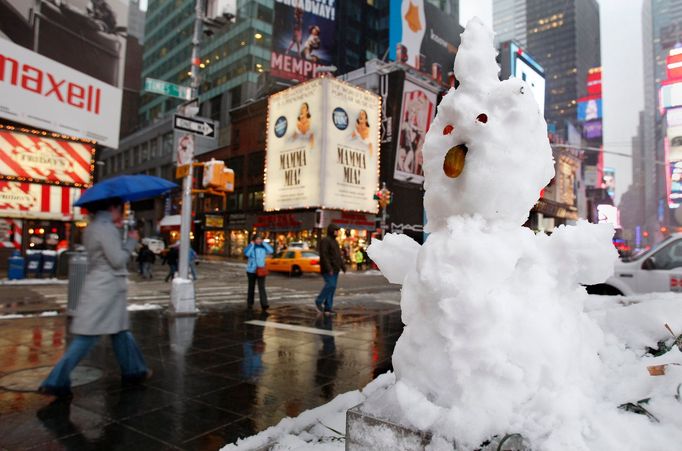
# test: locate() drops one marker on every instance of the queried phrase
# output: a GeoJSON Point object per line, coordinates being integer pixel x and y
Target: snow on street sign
{"type": "Point", "coordinates": [167, 89]}
{"type": "Point", "coordinates": [198, 126]}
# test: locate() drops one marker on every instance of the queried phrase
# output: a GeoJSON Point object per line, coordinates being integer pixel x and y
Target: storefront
{"type": "Point", "coordinates": [214, 235]}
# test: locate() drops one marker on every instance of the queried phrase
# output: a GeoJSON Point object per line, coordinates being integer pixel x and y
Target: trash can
{"type": "Point", "coordinates": [16, 266]}
{"type": "Point", "coordinates": [34, 260]}
{"type": "Point", "coordinates": [63, 258]}
{"type": "Point", "coordinates": [49, 266]}
{"type": "Point", "coordinates": [78, 268]}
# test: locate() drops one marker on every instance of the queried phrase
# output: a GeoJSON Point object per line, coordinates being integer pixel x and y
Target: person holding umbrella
{"type": "Point", "coordinates": [101, 308]}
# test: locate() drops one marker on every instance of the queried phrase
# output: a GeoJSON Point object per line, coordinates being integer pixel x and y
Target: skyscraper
{"type": "Point", "coordinates": [563, 36]}
{"type": "Point", "coordinates": [662, 31]}
{"type": "Point", "coordinates": [509, 21]}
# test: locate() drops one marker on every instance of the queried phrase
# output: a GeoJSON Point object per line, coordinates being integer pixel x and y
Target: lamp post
{"type": "Point", "coordinates": [182, 290]}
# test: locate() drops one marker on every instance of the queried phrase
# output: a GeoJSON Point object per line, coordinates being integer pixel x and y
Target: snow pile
{"type": "Point", "coordinates": [19, 315]}
{"type": "Point", "coordinates": [138, 307]}
{"type": "Point", "coordinates": [630, 325]}
{"type": "Point", "coordinates": [319, 428]}
{"type": "Point", "coordinates": [51, 281]}
{"type": "Point", "coordinates": [496, 339]}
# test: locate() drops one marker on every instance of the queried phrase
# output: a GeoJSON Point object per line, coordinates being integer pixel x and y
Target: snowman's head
{"type": "Point", "coordinates": [487, 150]}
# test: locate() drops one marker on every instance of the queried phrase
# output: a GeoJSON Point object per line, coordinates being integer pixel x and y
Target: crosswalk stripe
{"type": "Point", "coordinates": [310, 330]}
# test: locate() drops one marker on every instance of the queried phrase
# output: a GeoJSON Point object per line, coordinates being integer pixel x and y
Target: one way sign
{"type": "Point", "coordinates": [198, 126]}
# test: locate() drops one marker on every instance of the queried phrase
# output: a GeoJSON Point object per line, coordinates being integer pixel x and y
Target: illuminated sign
{"type": "Point", "coordinates": [322, 147]}
{"type": "Point", "coordinates": [608, 214]}
{"type": "Point", "coordinates": [592, 129]}
{"type": "Point", "coordinates": [523, 66]}
{"type": "Point", "coordinates": [303, 38]}
{"type": "Point", "coordinates": [423, 36]}
{"type": "Point", "coordinates": [674, 137]}
{"type": "Point", "coordinates": [37, 158]}
{"type": "Point", "coordinates": [673, 117]}
{"type": "Point", "coordinates": [38, 201]}
{"type": "Point", "coordinates": [418, 110]}
{"type": "Point", "coordinates": [673, 64]}
{"type": "Point", "coordinates": [589, 109]}
{"type": "Point", "coordinates": [671, 95]}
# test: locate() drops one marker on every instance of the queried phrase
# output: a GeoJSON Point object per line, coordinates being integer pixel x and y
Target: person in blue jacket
{"type": "Point", "coordinates": [256, 252]}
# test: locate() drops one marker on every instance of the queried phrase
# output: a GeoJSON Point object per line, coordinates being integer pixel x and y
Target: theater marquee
{"type": "Point", "coordinates": [322, 147]}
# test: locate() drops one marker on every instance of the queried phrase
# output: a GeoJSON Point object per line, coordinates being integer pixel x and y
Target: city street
{"type": "Point", "coordinates": [224, 374]}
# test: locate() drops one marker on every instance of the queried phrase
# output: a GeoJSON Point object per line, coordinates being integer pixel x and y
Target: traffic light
{"type": "Point", "coordinates": [218, 177]}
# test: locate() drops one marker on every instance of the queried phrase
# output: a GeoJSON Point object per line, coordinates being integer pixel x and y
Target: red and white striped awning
{"type": "Point", "coordinates": [37, 158]}
{"type": "Point", "coordinates": [38, 201]}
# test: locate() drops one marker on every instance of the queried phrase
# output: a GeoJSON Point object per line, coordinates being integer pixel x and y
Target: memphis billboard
{"type": "Point", "coordinates": [322, 147]}
{"type": "Point", "coordinates": [62, 66]}
{"type": "Point", "coordinates": [424, 37]}
{"type": "Point", "coordinates": [517, 63]}
{"type": "Point", "coordinates": [303, 38]}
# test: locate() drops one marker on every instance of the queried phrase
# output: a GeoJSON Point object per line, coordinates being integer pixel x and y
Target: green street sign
{"type": "Point", "coordinates": [167, 89]}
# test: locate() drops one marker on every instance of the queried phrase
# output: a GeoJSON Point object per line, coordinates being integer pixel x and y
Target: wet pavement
{"type": "Point", "coordinates": [217, 377]}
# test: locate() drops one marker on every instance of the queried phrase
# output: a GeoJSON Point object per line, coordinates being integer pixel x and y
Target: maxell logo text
{"type": "Point", "coordinates": [46, 84]}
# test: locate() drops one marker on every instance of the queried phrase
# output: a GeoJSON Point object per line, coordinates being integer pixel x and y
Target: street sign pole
{"type": "Point", "coordinates": [182, 292]}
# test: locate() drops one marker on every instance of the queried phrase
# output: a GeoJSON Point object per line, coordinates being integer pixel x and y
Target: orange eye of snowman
{"type": "Point", "coordinates": [448, 129]}
{"type": "Point", "coordinates": [482, 118]}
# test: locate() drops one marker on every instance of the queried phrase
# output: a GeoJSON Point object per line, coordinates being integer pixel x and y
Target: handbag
{"type": "Point", "coordinates": [261, 271]}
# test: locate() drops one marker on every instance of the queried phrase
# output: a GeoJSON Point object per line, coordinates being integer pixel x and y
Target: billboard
{"type": "Point", "coordinates": [671, 95]}
{"type": "Point", "coordinates": [675, 191]}
{"type": "Point", "coordinates": [592, 130]}
{"type": "Point", "coordinates": [673, 117]}
{"type": "Point", "coordinates": [423, 36]}
{"type": "Point", "coordinates": [322, 147]}
{"type": "Point", "coordinates": [610, 181]}
{"type": "Point", "coordinates": [303, 38]}
{"type": "Point", "coordinates": [36, 158]}
{"type": "Point", "coordinates": [62, 65]}
{"type": "Point", "coordinates": [674, 137]}
{"type": "Point", "coordinates": [416, 115]}
{"type": "Point", "coordinates": [589, 109]}
{"type": "Point", "coordinates": [517, 63]}
{"type": "Point", "coordinates": [38, 201]}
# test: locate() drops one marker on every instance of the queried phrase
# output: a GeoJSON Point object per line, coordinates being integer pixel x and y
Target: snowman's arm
{"type": "Point", "coordinates": [585, 251]}
{"type": "Point", "coordinates": [395, 255]}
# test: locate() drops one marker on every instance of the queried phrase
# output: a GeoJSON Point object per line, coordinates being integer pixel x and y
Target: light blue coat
{"type": "Point", "coordinates": [256, 254]}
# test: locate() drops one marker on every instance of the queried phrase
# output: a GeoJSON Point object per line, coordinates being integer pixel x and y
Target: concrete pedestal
{"type": "Point", "coordinates": [182, 297]}
{"type": "Point", "coordinates": [365, 432]}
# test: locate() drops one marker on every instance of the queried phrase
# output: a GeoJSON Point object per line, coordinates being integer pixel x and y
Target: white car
{"type": "Point", "coordinates": [155, 245]}
{"type": "Point", "coordinates": [658, 269]}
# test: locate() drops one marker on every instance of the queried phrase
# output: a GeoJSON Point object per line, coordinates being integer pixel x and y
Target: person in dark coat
{"type": "Point", "coordinates": [172, 261]}
{"type": "Point", "coordinates": [146, 258]}
{"type": "Point", "coordinates": [331, 262]}
{"type": "Point", "coordinates": [102, 303]}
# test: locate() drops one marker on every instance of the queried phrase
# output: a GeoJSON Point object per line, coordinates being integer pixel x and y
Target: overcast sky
{"type": "Point", "coordinates": [621, 55]}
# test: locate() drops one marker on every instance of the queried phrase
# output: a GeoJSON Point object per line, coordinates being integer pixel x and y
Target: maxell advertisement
{"type": "Point", "coordinates": [322, 147]}
{"type": "Point", "coordinates": [38, 158]}
{"type": "Point", "coordinates": [303, 37]}
{"type": "Point", "coordinates": [62, 65]}
{"type": "Point", "coordinates": [418, 110]}
{"type": "Point", "coordinates": [423, 36]}
{"type": "Point", "coordinates": [351, 161]}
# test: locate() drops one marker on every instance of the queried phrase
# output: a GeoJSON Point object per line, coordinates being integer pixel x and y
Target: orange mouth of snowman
{"type": "Point", "coordinates": [454, 161]}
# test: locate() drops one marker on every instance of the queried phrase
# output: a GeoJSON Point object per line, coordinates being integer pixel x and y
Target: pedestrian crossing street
{"type": "Point", "coordinates": [205, 296]}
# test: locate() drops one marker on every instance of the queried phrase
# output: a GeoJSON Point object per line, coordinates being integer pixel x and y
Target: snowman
{"type": "Point", "coordinates": [495, 338]}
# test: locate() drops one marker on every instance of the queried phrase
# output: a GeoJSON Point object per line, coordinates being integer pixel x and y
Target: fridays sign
{"type": "Point", "coordinates": [46, 160]}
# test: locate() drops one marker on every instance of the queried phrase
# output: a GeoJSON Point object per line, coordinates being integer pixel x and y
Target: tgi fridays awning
{"type": "Point", "coordinates": [28, 158]}
{"type": "Point", "coordinates": [37, 201]}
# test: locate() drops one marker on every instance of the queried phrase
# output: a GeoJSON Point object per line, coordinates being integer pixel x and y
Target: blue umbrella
{"type": "Point", "coordinates": [127, 187]}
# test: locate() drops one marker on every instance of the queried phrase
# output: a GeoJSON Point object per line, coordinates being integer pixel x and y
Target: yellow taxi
{"type": "Point", "coordinates": [294, 261]}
